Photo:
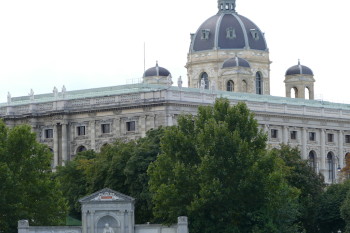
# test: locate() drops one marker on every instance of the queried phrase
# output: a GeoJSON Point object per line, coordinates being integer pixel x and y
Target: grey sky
{"type": "Point", "coordinates": [89, 43]}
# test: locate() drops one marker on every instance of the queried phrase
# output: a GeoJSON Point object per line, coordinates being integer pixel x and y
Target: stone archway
{"type": "Point", "coordinates": [112, 222]}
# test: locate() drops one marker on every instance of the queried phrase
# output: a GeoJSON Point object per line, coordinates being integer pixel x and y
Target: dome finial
{"type": "Point", "coordinates": [298, 62]}
{"type": "Point", "coordinates": [227, 5]}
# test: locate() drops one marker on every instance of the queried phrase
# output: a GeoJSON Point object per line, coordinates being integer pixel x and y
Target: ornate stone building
{"type": "Point", "coordinates": [229, 58]}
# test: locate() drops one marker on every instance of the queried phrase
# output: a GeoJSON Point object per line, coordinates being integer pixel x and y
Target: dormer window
{"type": "Point", "coordinates": [255, 34]}
{"type": "Point", "coordinates": [230, 33]}
{"type": "Point", "coordinates": [205, 34]}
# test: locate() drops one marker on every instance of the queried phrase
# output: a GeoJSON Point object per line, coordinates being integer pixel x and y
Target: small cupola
{"type": "Point", "coordinates": [299, 82]}
{"type": "Point", "coordinates": [157, 75]}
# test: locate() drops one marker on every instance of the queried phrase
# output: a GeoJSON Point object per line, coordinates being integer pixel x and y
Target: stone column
{"type": "Point", "coordinates": [143, 128]}
{"type": "Point", "coordinates": [169, 120]}
{"type": "Point", "coordinates": [122, 222]}
{"type": "Point", "coordinates": [131, 221]}
{"type": "Point", "coordinates": [266, 129]}
{"type": "Point", "coordinates": [117, 127]}
{"type": "Point", "coordinates": [23, 226]}
{"type": "Point", "coordinates": [323, 151]}
{"type": "Point", "coordinates": [92, 225]}
{"type": "Point", "coordinates": [182, 224]}
{"type": "Point", "coordinates": [64, 144]}
{"type": "Point", "coordinates": [93, 135]}
{"type": "Point", "coordinates": [304, 143]}
{"type": "Point", "coordinates": [341, 148]}
{"type": "Point", "coordinates": [84, 222]}
{"type": "Point", "coordinates": [151, 122]}
{"type": "Point", "coordinates": [285, 135]}
{"type": "Point", "coordinates": [55, 146]}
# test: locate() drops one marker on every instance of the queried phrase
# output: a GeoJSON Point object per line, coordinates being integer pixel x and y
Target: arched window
{"type": "Point", "coordinates": [330, 166]}
{"type": "Point", "coordinates": [81, 149]}
{"type": "Point", "coordinates": [230, 86]}
{"type": "Point", "coordinates": [204, 77]}
{"type": "Point", "coordinates": [259, 83]}
{"type": "Point", "coordinates": [312, 160]}
{"type": "Point", "coordinates": [244, 86]}
{"type": "Point", "coordinates": [294, 92]}
{"type": "Point", "coordinates": [307, 93]}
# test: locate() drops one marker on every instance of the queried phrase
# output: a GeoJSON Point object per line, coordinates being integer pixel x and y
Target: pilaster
{"type": "Point", "coordinates": [304, 143]}
{"type": "Point", "coordinates": [64, 144]}
{"type": "Point", "coordinates": [93, 134]}
{"type": "Point", "coordinates": [55, 146]}
{"type": "Point", "coordinates": [323, 151]}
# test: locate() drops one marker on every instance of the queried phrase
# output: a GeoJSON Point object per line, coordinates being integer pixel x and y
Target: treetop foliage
{"type": "Point", "coordinates": [214, 168]}
{"type": "Point", "coordinates": [27, 187]}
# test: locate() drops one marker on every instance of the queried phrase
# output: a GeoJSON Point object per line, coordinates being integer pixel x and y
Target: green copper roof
{"type": "Point", "coordinates": [141, 88]}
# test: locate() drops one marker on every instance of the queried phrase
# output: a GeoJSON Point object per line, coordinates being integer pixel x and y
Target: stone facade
{"type": "Point", "coordinates": [321, 130]}
{"type": "Point", "coordinates": [107, 211]}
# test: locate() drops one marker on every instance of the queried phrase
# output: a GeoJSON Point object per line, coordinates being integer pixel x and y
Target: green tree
{"type": "Point", "coordinates": [28, 190]}
{"type": "Point", "coordinates": [345, 210]}
{"type": "Point", "coordinates": [214, 168]}
{"type": "Point", "coordinates": [329, 216]}
{"type": "Point", "coordinates": [74, 180]}
{"type": "Point", "coordinates": [121, 166]}
{"type": "Point", "coordinates": [304, 178]}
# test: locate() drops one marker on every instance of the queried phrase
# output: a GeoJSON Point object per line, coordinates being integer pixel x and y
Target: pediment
{"type": "Point", "coordinates": [106, 195]}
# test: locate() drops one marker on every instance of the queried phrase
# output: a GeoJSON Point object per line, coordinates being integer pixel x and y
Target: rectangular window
{"type": "Point", "coordinates": [130, 126]}
{"type": "Point", "coordinates": [48, 133]}
{"type": "Point", "coordinates": [274, 133]}
{"type": "Point", "coordinates": [330, 137]}
{"type": "Point", "coordinates": [312, 136]}
{"type": "Point", "coordinates": [106, 128]}
{"type": "Point", "coordinates": [293, 135]}
{"type": "Point", "coordinates": [347, 138]}
{"type": "Point", "coordinates": [81, 130]}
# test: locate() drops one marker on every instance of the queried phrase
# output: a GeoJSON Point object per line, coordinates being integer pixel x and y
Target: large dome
{"type": "Point", "coordinates": [228, 30]}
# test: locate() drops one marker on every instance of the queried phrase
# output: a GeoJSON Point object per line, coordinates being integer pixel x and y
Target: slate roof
{"type": "Point", "coordinates": [218, 25]}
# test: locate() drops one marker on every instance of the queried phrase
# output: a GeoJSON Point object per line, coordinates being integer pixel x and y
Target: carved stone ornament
{"type": "Point", "coordinates": [106, 196]}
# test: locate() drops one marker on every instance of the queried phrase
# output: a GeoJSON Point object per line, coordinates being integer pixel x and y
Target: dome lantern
{"type": "Point", "coordinates": [227, 6]}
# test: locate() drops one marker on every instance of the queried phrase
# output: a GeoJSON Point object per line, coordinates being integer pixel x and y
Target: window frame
{"type": "Point", "coordinates": [81, 130]}
{"type": "Point", "coordinates": [274, 133]}
{"type": "Point", "coordinates": [105, 128]}
{"type": "Point", "coordinates": [293, 135]}
{"type": "Point", "coordinates": [347, 139]}
{"type": "Point", "coordinates": [330, 137]}
{"type": "Point", "coordinates": [48, 133]}
{"type": "Point", "coordinates": [312, 136]}
{"type": "Point", "coordinates": [130, 126]}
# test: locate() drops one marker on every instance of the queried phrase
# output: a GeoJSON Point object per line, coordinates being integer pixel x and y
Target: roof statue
{"type": "Point", "coordinates": [31, 94]}
{"type": "Point", "coordinates": [179, 82]}
{"type": "Point", "coordinates": [64, 90]}
{"type": "Point", "coordinates": [213, 85]}
{"type": "Point", "coordinates": [202, 84]}
{"type": "Point", "coordinates": [169, 80]}
{"type": "Point", "coordinates": [8, 97]}
{"type": "Point", "coordinates": [55, 92]}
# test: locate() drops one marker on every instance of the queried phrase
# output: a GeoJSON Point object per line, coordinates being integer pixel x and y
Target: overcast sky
{"type": "Point", "coordinates": [96, 43]}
